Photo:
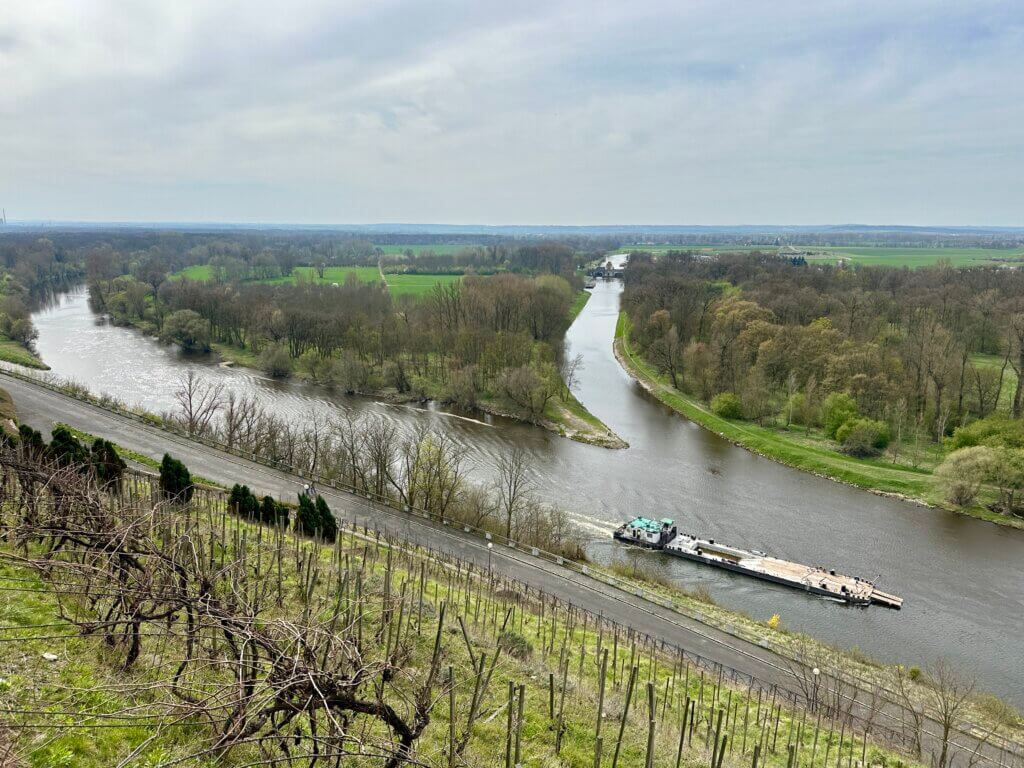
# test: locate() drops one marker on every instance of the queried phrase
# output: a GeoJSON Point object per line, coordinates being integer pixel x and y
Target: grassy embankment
{"type": "Point", "coordinates": [80, 708]}
{"type": "Point", "coordinates": [867, 255]}
{"type": "Point", "coordinates": [808, 451]}
{"type": "Point", "coordinates": [13, 352]}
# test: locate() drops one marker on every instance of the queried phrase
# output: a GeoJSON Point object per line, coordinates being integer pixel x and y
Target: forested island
{"type": "Point", "coordinates": [897, 380]}
{"type": "Point", "coordinates": [493, 342]}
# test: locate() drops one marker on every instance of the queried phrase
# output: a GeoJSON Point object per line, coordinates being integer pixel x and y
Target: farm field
{"type": "Point", "coordinates": [868, 255]}
{"type": "Point", "coordinates": [417, 285]}
{"type": "Point", "coordinates": [398, 284]}
{"type": "Point", "coordinates": [419, 248]}
{"type": "Point", "coordinates": [204, 273]}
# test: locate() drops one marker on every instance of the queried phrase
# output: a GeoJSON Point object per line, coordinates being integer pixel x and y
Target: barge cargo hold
{"type": "Point", "coordinates": [663, 535]}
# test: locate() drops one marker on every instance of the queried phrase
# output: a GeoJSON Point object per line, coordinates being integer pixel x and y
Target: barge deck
{"type": "Point", "coordinates": [663, 535]}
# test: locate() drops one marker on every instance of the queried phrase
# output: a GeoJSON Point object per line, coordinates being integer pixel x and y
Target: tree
{"type": "Point", "coordinates": [107, 466]}
{"type": "Point", "coordinates": [950, 694]}
{"type": "Point", "coordinates": [727, 405]}
{"type": "Point", "coordinates": [65, 449]}
{"type": "Point", "coordinates": [837, 409]}
{"type": "Point", "coordinates": [963, 472]}
{"type": "Point", "coordinates": [199, 401]}
{"type": "Point", "coordinates": [275, 361]}
{"type": "Point", "coordinates": [513, 484]}
{"type": "Point", "coordinates": [187, 328]}
{"type": "Point", "coordinates": [1007, 474]}
{"type": "Point", "coordinates": [314, 518]}
{"type": "Point", "coordinates": [175, 480]}
{"type": "Point", "coordinates": [273, 512]}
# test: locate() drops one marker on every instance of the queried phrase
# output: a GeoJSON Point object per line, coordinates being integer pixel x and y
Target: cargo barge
{"type": "Point", "coordinates": [663, 535]}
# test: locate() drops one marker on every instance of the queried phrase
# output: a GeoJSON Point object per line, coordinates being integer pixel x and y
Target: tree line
{"type": "Point", "coordinates": [874, 356]}
{"type": "Point", "coordinates": [496, 339]}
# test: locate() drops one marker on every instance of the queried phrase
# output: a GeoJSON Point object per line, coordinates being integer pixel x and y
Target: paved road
{"type": "Point", "coordinates": [42, 408]}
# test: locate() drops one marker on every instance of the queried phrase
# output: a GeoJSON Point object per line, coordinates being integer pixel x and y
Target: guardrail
{"type": "Point", "coordinates": [51, 382]}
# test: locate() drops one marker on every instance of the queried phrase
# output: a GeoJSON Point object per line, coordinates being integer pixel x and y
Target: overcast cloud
{"type": "Point", "coordinates": [513, 112]}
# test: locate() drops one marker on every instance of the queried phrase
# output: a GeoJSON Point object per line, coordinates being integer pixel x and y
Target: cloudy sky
{"type": "Point", "coordinates": [513, 112]}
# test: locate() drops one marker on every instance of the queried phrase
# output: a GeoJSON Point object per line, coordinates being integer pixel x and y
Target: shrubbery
{"type": "Point", "coordinates": [314, 518]}
{"type": "Point", "coordinates": [863, 437]}
{"type": "Point", "coordinates": [837, 409]}
{"type": "Point", "coordinates": [727, 405]}
{"type": "Point", "coordinates": [175, 479]}
{"type": "Point", "coordinates": [245, 503]}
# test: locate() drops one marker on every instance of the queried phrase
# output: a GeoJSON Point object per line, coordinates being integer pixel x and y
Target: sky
{"type": "Point", "coordinates": [679, 112]}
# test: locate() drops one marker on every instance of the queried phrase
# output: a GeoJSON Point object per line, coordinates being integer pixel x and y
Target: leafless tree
{"type": "Point", "coordinates": [199, 401]}
{"type": "Point", "coordinates": [949, 693]}
{"type": "Point", "coordinates": [513, 484]}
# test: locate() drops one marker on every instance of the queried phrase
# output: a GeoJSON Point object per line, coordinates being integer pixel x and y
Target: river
{"type": "Point", "coordinates": [962, 579]}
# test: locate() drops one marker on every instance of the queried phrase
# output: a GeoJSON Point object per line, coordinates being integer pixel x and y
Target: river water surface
{"type": "Point", "coordinates": [962, 579]}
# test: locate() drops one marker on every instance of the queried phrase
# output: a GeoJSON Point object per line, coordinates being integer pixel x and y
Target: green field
{"type": "Point", "coordinates": [867, 254]}
{"type": "Point", "coordinates": [204, 273]}
{"type": "Point", "coordinates": [418, 285]}
{"type": "Point", "coordinates": [201, 273]}
{"type": "Point", "coordinates": [418, 248]}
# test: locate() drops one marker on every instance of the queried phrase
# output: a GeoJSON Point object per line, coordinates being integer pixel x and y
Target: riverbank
{"type": "Point", "coordinates": [567, 418]}
{"type": "Point", "coordinates": [875, 475]}
{"type": "Point", "coordinates": [13, 352]}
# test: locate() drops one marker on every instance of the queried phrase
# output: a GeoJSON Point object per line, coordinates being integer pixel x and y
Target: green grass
{"type": "Point", "coordinates": [204, 273]}
{"type": "Point", "coordinates": [1009, 378]}
{"type": "Point", "coordinates": [200, 273]}
{"type": "Point", "coordinates": [417, 285]}
{"type": "Point", "coordinates": [578, 303]}
{"type": "Point", "coordinates": [867, 255]}
{"type": "Point", "coordinates": [417, 248]}
{"type": "Point", "coordinates": [13, 352]}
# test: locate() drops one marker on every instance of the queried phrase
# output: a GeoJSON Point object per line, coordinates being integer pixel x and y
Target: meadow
{"type": "Point", "coordinates": [398, 284]}
{"type": "Point", "coordinates": [867, 254]}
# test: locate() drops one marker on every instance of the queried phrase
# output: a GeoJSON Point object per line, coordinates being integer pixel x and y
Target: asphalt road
{"type": "Point", "coordinates": [42, 408]}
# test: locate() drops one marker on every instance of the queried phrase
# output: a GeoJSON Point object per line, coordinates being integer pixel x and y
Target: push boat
{"type": "Point", "coordinates": [663, 535]}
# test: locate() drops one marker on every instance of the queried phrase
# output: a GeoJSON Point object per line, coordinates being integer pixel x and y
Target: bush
{"type": "Point", "coordinates": [187, 328]}
{"type": "Point", "coordinates": [997, 431]}
{"type": "Point", "coordinates": [727, 406]}
{"type": "Point", "coordinates": [175, 480]}
{"type": "Point", "coordinates": [315, 518]}
{"type": "Point", "coordinates": [515, 645]}
{"type": "Point", "coordinates": [65, 450]}
{"type": "Point", "coordinates": [31, 440]}
{"type": "Point", "coordinates": [275, 361]}
{"type": "Point", "coordinates": [106, 464]}
{"type": "Point", "coordinates": [243, 502]}
{"type": "Point", "coordinates": [837, 409]}
{"type": "Point", "coordinates": [273, 512]}
{"type": "Point", "coordinates": [963, 472]}
{"type": "Point", "coordinates": [863, 437]}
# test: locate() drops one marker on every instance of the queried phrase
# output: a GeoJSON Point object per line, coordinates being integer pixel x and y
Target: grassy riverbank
{"type": "Point", "coordinates": [13, 352]}
{"type": "Point", "coordinates": [797, 449]}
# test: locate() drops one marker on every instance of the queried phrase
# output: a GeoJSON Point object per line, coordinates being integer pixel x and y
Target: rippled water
{"type": "Point", "coordinates": [962, 579]}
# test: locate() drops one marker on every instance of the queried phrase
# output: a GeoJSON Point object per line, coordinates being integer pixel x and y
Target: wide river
{"type": "Point", "coordinates": [962, 579]}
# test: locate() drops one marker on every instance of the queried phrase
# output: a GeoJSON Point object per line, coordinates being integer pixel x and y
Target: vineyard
{"type": "Point", "coordinates": [201, 637]}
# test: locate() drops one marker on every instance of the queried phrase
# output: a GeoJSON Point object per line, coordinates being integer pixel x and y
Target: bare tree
{"type": "Point", "coordinates": [949, 693]}
{"type": "Point", "coordinates": [513, 485]}
{"type": "Point", "coordinates": [199, 401]}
